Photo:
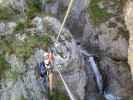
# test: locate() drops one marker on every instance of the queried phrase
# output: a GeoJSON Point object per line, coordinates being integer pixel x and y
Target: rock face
{"type": "Point", "coordinates": [7, 28]}
{"type": "Point", "coordinates": [22, 77]}
{"type": "Point", "coordinates": [100, 28]}
{"type": "Point", "coordinates": [71, 69]}
{"type": "Point", "coordinates": [109, 40]}
{"type": "Point", "coordinates": [16, 5]}
{"type": "Point", "coordinates": [128, 20]}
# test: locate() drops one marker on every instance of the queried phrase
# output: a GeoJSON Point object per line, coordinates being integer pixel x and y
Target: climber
{"type": "Point", "coordinates": [48, 59]}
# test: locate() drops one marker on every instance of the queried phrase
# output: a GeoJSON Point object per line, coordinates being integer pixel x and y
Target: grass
{"type": "Point", "coordinates": [3, 66]}
{"type": "Point", "coordinates": [97, 14]}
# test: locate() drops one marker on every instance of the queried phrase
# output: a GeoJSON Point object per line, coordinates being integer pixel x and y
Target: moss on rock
{"type": "Point", "coordinates": [4, 66]}
{"type": "Point", "coordinates": [58, 95]}
{"type": "Point", "coordinates": [23, 49]}
{"type": "Point", "coordinates": [97, 14]}
{"type": "Point", "coordinates": [5, 13]}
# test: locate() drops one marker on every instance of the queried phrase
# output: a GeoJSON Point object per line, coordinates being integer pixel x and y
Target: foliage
{"type": "Point", "coordinates": [20, 26]}
{"type": "Point", "coordinates": [49, 1]}
{"type": "Point", "coordinates": [57, 95]}
{"type": "Point", "coordinates": [97, 14]}
{"type": "Point", "coordinates": [33, 8]}
{"type": "Point", "coordinates": [23, 98]}
{"type": "Point", "coordinates": [3, 66]}
{"type": "Point", "coordinates": [12, 75]}
{"type": "Point", "coordinates": [23, 49]}
{"type": "Point", "coordinates": [5, 13]}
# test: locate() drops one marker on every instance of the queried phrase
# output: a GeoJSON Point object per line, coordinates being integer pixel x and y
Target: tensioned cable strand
{"type": "Point", "coordinates": [62, 25]}
{"type": "Point", "coordinates": [65, 18]}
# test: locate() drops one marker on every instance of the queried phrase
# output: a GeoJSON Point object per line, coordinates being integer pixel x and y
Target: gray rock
{"type": "Point", "coordinates": [2, 28]}
{"type": "Point", "coordinates": [78, 7]}
{"type": "Point", "coordinates": [16, 65]}
{"type": "Point", "coordinates": [18, 5]}
{"type": "Point", "coordinates": [38, 22]}
{"type": "Point", "coordinates": [7, 28]}
{"type": "Point", "coordinates": [117, 85]}
{"type": "Point", "coordinates": [129, 22]}
{"type": "Point", "coordinates": [52, 8]}
{"type": "Point", "coordinates": [10, 27]}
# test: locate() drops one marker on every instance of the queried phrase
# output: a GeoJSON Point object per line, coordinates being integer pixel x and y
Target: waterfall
{"type": "Point", "coordinates": [97, 74]}
{"type": "Point", "coordinates": [106, 93]}
{"type": "Point", "coordinates": [95, 70]}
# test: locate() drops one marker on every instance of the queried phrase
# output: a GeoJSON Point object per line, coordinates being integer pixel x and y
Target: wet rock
{"type": "Point", "coordinates": [117, 76]}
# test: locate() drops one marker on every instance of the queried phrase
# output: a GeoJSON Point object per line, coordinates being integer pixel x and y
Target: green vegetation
{"type": "Point", "coordinates": [23, 49]}
{"type": "Point", "coordinates": [33, 8]}
{"type": "Point", "coordinates": [57, 95]}
{"type": "Point", "coordinates": [49, 1]}
{"type": "Point", "coordinates": [5, 13]}
{"type": "Point", "coordinates": [20, 26]}
{"type": "Point", "coordinates": [11, 75]}
{"type": "Point", "coordinates": [97, 14]}
{"type": "Point", "coordinates": [23, 98]}
{"type": "Point", "coordinates": [3, 66]}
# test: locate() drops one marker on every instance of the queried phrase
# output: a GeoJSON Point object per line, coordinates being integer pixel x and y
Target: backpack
{"type": "Point", "coordinates": [42, 68]}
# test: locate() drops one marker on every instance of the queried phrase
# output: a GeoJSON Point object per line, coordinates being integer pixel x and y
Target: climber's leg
{"type": "Point", "coordinates": [51, 81]}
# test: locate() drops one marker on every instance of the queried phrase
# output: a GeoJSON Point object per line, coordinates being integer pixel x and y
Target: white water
{"type": "Point", "coordinates": [107, 95]}
{"type": "Point", "coordinates": [97, 74]}
{"type": "Point", "coordinates": [95, 70]}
